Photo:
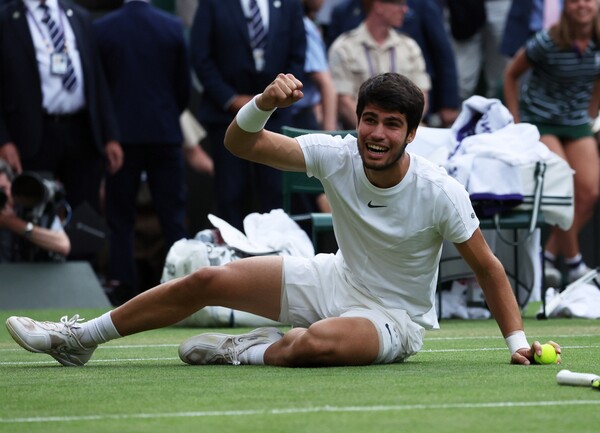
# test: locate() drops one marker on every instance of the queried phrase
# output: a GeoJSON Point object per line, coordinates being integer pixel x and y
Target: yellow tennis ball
{"type": "Point", "coordinates": [549, 355]}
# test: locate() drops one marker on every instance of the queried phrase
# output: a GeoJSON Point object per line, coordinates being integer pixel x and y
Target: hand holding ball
{"type": "Point", "coordinates": [548, 356]}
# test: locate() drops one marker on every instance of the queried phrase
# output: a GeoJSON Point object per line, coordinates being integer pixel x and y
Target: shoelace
{"type": "Point", "coordinates": [232, 354]}
{"type": "Point", "coordinates": [70, 324]}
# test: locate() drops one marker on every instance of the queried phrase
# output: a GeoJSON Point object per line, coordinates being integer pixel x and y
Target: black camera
{"type": "Point", "coordinates": [35, 196]}
{"type": "Point", "coordinates": [40, 200]}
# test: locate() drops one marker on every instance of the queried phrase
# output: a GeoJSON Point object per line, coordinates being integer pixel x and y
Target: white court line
{"type": "Point", "coordinates": [492, 337]}
{"type": "Point", "coordinates": [483, 337]}
{"type": "Point", "coordinates": [117, 360]}
{"type": "Point", "coordinates": [293, 411]}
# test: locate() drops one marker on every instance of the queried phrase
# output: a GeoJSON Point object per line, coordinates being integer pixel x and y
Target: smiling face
{"type": "Point", "coordinates": [382, 139]}
{"type": "Point", "coordinates": [392, 11]}
{"type": "Point", "coordinates": [388, 109]}
{"type": "Point", "coordinates": [581, 12]}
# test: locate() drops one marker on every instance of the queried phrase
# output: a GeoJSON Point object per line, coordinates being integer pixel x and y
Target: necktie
{"type": "Point", "coordinates": [69, 79]}
{"type": "Point", "coordinates": [258, 34]}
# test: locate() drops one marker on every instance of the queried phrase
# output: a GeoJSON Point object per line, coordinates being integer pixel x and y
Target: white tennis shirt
{"type": "Point", "coordinates": [390, 239]}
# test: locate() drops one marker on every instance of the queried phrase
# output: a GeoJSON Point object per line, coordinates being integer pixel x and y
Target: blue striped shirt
{"type": "Point", "coordinates": [561, 83]}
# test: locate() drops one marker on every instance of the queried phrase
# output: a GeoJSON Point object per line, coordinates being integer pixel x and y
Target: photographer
{"type": "Point", "coordinates": [52, 243]}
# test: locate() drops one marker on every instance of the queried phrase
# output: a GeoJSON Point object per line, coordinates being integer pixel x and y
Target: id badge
{"type": "Point", "coordinates": [259, 58]}
{"type": "Point", "coordinates": [58, 63]}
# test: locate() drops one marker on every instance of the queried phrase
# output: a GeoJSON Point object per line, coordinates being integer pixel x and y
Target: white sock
{"type": "Point", "coordinates": [254, 355]}
{"type": "Point", "coordinates": [576, 260]}
{"type": "Point", "coordinates": [98, 331]}
{"type": "Point", "coordinates": [550, 257]}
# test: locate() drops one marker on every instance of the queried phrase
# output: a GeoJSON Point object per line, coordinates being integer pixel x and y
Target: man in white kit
{"type": "Point", "coordinates": [369, 303]}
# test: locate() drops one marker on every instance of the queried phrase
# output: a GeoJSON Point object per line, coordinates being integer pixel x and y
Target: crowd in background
{"type": "Point", "coordinates": [114, 90]}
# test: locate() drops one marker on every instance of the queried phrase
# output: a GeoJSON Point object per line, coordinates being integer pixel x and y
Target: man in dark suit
{"type": "Point", "coordinates": [424, 22]}
{"type": "Point", "coordinates": [231, 73]}
{"type": "Point", "coordinates": [145, 57]}
{"type": "Point", "coordinates": [525, 18]}
{"type": "Point", "coordinates": [46, 123]}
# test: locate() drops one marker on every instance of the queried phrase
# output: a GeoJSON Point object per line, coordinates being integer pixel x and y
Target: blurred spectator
{"type": "Point", "coordinates": [186, 9]}
{"type": "Point", "coordinates": [55, 111]}
{"type": "Point", "coordinates": [345, 15]}
{"type": "Point", "coordinates": [147, 67]}
{"type": "Point", "coordinates": [525, 18]}
{"type": "Point", "coordinates": [424, 22]}
{"type": "Point", "coordinates": [372, 48]}
{"type": "Point", "coordinates": [23, 240]}
{"type": "Point", "coordinates": [318, 108]}
{"type": "Point", "coordinates": [561, 100]}
{"type": "Point", "coordinates": [323, 16]}
{"type": "Point", "coordinates": [194, 135]}
{"type": "Point", "coordinates": [477, 27]}
{"type": "Point", "coordinates": [234, 62]}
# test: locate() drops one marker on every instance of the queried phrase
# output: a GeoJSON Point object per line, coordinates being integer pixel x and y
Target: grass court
{"type": "Point", "coordinates": [460, 382]}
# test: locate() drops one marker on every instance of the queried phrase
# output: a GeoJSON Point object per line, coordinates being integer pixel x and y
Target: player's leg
{"type": "Point", "coordinates": [252, 285]}
{"type": "Point", "coordinates": [360, 336]}
{"type": "Point", "coordinates": [328, 342]}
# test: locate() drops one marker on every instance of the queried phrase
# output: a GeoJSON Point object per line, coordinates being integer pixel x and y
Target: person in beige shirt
{"type": "Point", "coordinates": [372, 48]}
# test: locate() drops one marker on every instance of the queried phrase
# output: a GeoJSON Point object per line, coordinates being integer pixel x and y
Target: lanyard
{"type": "Point", "coordinates": [370, 61]}
{"type": "Point", "coordinates": [48, 43]}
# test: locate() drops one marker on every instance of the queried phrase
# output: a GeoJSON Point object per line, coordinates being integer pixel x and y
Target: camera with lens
{"type": "Point", "coordinates": [40, 200]}
{"type": "Point", "coordinates": [36, 198]}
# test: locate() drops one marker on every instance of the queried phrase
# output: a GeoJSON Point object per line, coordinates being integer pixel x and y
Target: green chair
{"type": "Point", "coordinates": [299, 183]}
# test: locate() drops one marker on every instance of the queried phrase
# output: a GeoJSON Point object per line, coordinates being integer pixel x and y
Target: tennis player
{"type": "Point", "coordinates": [369, 303]}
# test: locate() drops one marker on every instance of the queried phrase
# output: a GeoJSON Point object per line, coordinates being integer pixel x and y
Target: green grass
{"type": "Point", "coordinates": [460, 382]}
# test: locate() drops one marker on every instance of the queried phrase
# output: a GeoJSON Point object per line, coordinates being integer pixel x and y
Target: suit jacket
{"type": "Point", "coordinates": [223, 60]}
{"type": "Point", "coordinates": [424, 23]}
{"type": "Point", "coordinates": [21, 111]}
{"type": "Point", "coordinates": [147, 67]}
{"type": "Point", "coordinates": [517, 29]}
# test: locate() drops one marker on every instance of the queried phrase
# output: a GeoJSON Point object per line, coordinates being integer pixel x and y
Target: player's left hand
{"type": "Point", "coordinates": [525, 356]}
{"type": "Point", "coordinates": [282, 92]}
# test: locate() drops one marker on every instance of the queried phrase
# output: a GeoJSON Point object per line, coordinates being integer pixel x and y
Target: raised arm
{"type": "Point", "coordinates": [247, 138]}
{"type": "Point", "coordinates": [499, 296]}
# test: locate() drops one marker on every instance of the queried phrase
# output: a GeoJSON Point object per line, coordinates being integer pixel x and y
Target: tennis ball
{"type": "Point", "coordinates": [549, 355]}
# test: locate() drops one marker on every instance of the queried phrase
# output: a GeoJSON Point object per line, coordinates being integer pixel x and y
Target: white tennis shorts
{"type": "Point", "coordinates": [315, 289]}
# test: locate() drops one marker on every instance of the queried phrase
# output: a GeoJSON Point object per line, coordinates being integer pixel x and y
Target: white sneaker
{"type": "Point", "coordinates": [57, 339]}
{"type": "Point", "coordinates": [552, 276]}
{"type": "Point", "coordinates": [214, 348]}
{"type": "Point", "coordinates": [578, 271]}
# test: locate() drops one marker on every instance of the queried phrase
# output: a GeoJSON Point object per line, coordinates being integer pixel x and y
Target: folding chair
{"type": "Point", "coordinates": [299, 183]}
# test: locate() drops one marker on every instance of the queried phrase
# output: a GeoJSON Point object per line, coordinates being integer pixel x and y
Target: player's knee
{"type": "Point", "coordinates": [312, 348]}
{"type": "Point", "coordinates": [202, 279]}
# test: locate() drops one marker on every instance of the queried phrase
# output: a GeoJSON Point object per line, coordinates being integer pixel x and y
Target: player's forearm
{"type": "Point", "coordinates": [501, 301]}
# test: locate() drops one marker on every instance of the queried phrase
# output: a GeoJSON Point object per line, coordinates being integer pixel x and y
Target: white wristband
{"type": "Point", "coordinates": [251, 118]}
{"type": "Point", "coordinates": [515, 341]}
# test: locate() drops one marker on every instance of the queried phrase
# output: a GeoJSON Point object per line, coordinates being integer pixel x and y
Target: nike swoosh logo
{"type": "Point", "coordinates": [387, 326]}
{"type": "Point", "coordinates": [373, 206]}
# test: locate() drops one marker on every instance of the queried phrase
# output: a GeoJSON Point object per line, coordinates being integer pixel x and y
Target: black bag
{"type": "Point", "coordinates": [466, 17]}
